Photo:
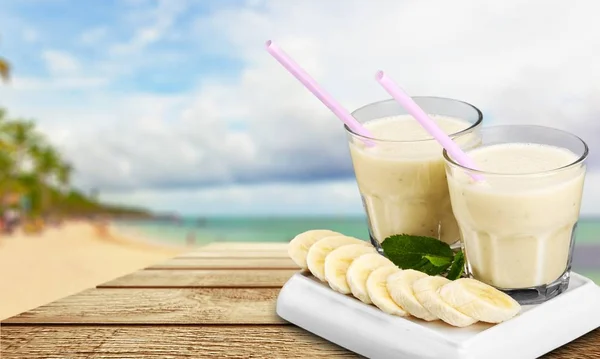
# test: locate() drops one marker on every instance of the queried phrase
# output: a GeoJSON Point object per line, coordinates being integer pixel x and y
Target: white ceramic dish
{"type": "Point", "coordinates": [364, 329]}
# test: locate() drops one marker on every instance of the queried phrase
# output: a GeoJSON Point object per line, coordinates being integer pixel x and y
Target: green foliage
{"type": "Point", "coordinates": [412, 252]}
{"type": "Point", "coordinates": [458, 266]}
{"type": "Point", "coordinates": [4, 70]}
{"type": "Point", "coordinates": [31, 167]}
{"type": "Point", "coordinates": [426, 254]}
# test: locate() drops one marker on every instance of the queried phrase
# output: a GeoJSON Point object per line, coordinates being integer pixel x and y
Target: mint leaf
{"type": "Point", "coordinates": [408, 252]}
{"type": "Point", "coordinates": [439, 261]}
{"type": "Point", "coordinates": [458, 266]}
{"type": "Point", "coordinates": [432, 269]}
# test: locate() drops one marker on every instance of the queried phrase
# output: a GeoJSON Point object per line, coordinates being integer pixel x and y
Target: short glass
{"type": "Point", "coordinates": [518, 224]}
{"type": "Point", "coordinates": [403, 182]}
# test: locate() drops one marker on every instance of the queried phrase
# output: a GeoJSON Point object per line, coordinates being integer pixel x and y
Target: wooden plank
{"type": "Point", "coordinates": [585, 347]}
{"type": "Point", "coordinates": [246, 246]}
{"type": "Point", "coordinates": [248, 341]}
{"type": "Point", "coordinates": [223, 263]}
{"type": "Point", "coordinates": [149, 342]}
{"type": "Point", "coordinates": [160, 306]}
{"type": "Point", "coordinates": [258, 278]}
{"type": "Point", "coordinates": [234, 254]}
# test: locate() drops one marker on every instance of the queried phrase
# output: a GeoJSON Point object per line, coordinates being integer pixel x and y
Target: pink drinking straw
{"type": "Point", "coordinates": [412, 108]}
{"type": "Point", "coordinates": [319, 92]}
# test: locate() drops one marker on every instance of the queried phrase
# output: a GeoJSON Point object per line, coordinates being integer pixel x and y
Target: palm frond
{"type": "Point", "coordinates": [4, 70]}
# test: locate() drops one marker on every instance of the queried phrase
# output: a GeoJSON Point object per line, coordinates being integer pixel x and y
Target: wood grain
{"type": "Point", "coordinates": [585, 347]}
{"type": "Point", "coordinates": [137, 342]}
{"type": "Point", "coordinates": [160, 306]}
{"type": "Point", "coordinates": [234, 254]}
{"type": "Point", "coordinates": [217, 301]}
{"type": "Point", "coordinates": [246, 341]}
{"type": "Point", "coordinates": [246, 246]}
{"type": "Point", "coordinates": [258, 278]}
{"type": "Point", "coordinates": [221, 263]}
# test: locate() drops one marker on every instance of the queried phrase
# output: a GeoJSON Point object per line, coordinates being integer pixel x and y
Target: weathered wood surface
{"type": "Point", "coordinates": [245, 246]}
{"type": "Point", "coordinates": [235, 254]}
{"type": "Point", "coordinates": [212, 302]}
{"type": "Point", "coordinates": [226, 263]}
{"type": "Point", "coordinates": [223, 278]}
{"type": "Point", "coordinates": [243, 341]}
{"type": "Point", "coordinates": [585, 347]}
{"type": "Point", "coordinates": [149, 342]}
{"type": "Point", "coordinates": [159, 306]}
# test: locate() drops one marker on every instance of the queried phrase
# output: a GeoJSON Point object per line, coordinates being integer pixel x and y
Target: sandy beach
{"type": "Point", "coordinates": [37, 269]}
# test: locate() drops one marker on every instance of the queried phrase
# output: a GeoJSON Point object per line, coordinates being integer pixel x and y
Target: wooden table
{"type": "Point", "coordinates": [218, 301]}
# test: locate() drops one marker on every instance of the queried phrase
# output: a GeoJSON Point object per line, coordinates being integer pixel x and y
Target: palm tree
{"type": "Point", "coordinates": [63, 175]}
{"type": "Point", "coordinates": [23, 141]}
{"type": "Point", "coordinates": [46, 164]}
{"type": "Point", "coordinates": [4, 70]}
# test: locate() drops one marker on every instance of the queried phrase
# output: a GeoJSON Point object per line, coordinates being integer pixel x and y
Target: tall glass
{"type": "Point", "coordinates": [401, 177]}
{"type": "Point", "coordinates": [518, 224]}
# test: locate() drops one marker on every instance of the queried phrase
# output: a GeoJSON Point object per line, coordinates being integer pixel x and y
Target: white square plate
{"type": "Point", "coordinates": [364, 329]}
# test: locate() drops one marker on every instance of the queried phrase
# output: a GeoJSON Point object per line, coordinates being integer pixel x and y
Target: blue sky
{"type": "Point", "coordinates": [102, 31]}
{"type": "Point", "coordinates": [175, 105]}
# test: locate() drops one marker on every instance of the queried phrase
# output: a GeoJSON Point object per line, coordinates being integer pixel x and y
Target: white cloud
{"type": "Point", "coordinates": [51, 84]}
{"type": "Point", "coordinates": [61, 63]}
{"type": "Point", "coordinates": [93, 36]}
{"type": "Point", "coordinates": [159, 21]}
{"type": "Point", "coordinates": [520, 62]}
{"type": "Point", "coordinates": [329, 198]}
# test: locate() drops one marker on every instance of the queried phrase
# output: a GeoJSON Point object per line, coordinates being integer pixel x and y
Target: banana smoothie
{"type": "Point", "coordinates": [517, 224]}
{"type": "Point", "coordinates": [402, 179]}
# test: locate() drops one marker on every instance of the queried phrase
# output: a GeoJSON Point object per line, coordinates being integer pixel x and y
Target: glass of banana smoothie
{"type": "Point", "coordinates": [400, 169]}
{"type": "Point", "coordinates": [518, 222]}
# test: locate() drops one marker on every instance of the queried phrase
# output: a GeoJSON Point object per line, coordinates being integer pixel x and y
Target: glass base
{"type": "Point", "coordinates": [376, 244]}
{"type": "Point", "coordinates": [540, 294]}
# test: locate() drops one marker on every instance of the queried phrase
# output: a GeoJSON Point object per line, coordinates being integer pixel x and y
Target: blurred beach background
{"type": "Point", "coordinates": [132, 130]}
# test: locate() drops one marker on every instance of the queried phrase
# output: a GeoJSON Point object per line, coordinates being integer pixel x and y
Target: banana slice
{"type": "Point", "coordinates": [315, 259]}
{"type": "Point", "coordinates": [426, 292]}
{"type": "Point", "coordinates": [479, 300]}
{"type": "Point", "coordinates": [337, 263]}
{"type": "Point", "coordinates": [400, 286]}
{"type": "Point", "coordinates": [299, 245]}
{"type": "Point", "coordinates": [378, 292]}
{"type": "Point", "coordinates": [359, 271]}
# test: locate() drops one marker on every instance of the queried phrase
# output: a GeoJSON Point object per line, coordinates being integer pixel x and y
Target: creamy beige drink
{"type": "Point", "coordinates": [517, 224]}
{"type": "Point", "coordinates": [402, 180]}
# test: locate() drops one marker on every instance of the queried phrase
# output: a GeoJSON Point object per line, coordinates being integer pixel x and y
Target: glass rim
{"type": "Point", "coordinates": [463, 131]}
{"type": "Point", "coordinates": [579, 160]}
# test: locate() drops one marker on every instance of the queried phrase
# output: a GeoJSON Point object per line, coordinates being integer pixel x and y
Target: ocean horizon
{"type": "Point", "coordinates": [276, 228]}
{"type": "Point", "coordinates": [283, 228]}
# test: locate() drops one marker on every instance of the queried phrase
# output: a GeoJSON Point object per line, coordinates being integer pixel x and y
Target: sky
{"type": "Point", "coordinates": [175, 105]}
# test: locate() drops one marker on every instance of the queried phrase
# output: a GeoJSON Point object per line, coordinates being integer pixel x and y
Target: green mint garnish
{"type": "Point", "coordinates": [439, 261]}
{"type": "Point", "coordinates": [458, 266]}
{"type": "Point", "coordinates": [431, 269]}
{"type": "Point", "coordinates": [407, 252]}
{"type": "Point", "coordinates": [425, 254]}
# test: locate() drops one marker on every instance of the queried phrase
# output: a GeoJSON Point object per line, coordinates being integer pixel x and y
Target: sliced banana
{"type": "Point", "coordinates": [400, 287]}
{"type": "Point", "coordinates": [426, 292]}
{"type": "Point", "coordinates": [315, 259]}
{"type": "Point", "coordinates": [479, 300]}
{"type": "Point", "coordinates": [299, 245]}
{"type": "Point", "coordinates": [337, 263]}
{"type": "Point", "coordinates": [359, 271]}
{"type": "Point", "coordinates": [378, 292]}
